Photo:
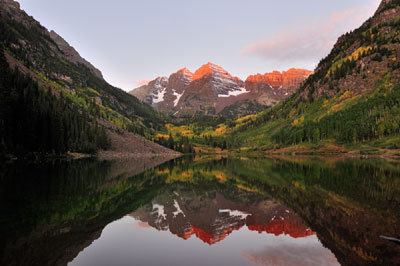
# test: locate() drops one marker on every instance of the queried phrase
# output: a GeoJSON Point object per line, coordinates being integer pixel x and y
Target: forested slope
{"type": "Point", "coordinates": [34, 119]}
{"type": "Point", "coordinates": [53, 100]}
{"type": "Point", "coordinates": [353, 98]}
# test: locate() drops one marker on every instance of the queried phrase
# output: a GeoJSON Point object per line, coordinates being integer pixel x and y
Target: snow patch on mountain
{"type": "Point", "coordinates": [178, 97]}
{"type": "Point", "coordinates": [178, 209]}
{"type": "Point", "coordinates": [234, 93]}
{"type": "Point", "coordinates": [159, 97]}
{"type": "Point", "coordinates": [159, 209]}
{"type": "Point", "coordinates": [235, 213]}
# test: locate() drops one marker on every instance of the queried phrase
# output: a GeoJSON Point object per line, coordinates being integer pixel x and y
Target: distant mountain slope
{"type": "Point", "coordinates": [211, 89]}
{"type": "Point", "coordinates": [271, 88]}
{"type": "Point", "coordinates": [56, 66]}
{"type": "Point", "coordinates": [243, 108]}
{"type": "Point", "coordinates": [352, 98]}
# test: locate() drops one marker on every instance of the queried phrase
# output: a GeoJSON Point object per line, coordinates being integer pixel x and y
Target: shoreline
{"type": "Point", "coordinates": [116, 155]}
{"type": "Point", "coordinates": [310, 152]}
{"type": "Point", "coordinates": [119, 155]}
{"type": "Point", "coordinates": [72, 156]}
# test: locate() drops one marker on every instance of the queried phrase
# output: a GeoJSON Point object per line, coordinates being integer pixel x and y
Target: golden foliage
{"type": "Point", "coordinates": [346, 95]}
{"type": "Point", "coordinates": [297, 121]}
{"type": "Point", "coordinates": [244, 118]}
{"type": "Point", "coordinates": [221, 176]}
{"type": "Point", "coordinates": [221, 130]}
{"type": "Point", "coordinates": [162, 136]}
{"type": "Point", "coordinates": [354, 56]}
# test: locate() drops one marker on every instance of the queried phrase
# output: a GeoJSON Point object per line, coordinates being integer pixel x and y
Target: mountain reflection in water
{"type": "Point", "coordinates": [211, 216]}
{"type": "Point", "coordinates": [202, 211]}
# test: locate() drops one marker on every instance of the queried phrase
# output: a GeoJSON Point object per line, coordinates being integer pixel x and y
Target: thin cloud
{"type": "Point", "coordinates": [307, 45]}
{"type": "Point", "coordinates": [142, 82]}
{"type": "Point", "coordinates": [309, 253]}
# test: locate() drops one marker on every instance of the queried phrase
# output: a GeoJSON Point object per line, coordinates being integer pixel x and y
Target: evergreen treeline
{"type": "Point", "coordinates": [32, 119]}
{"type": "Point", "coordinates": [214, 142]}
{"type": "Point", "coordinates": [182, 145]}
{"type": "Point", "coordinates": [185, 144]}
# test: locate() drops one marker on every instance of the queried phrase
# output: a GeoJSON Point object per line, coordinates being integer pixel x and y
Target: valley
{"type": "Point", "coordinates": [350, 104]}
{"type": "Point", "coordinates": [214, 164]}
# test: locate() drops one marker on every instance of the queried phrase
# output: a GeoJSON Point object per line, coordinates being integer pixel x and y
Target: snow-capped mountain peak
{"type": "Point", "coordinates": [211, 88]}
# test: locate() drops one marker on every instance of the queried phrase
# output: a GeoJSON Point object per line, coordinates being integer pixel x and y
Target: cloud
{"type": "Point", "coordinates": [306, 45]}
{"type": "Point", "coordinates": [300, 254]}
{"type": "Point", "coordinates": [141, 224]}
{"type": "Point", "coordinates": [142, 82]}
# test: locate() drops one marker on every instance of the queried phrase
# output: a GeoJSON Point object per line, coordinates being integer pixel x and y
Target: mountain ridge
{"type": "Point", "coordinates": [62, 47]}
{"type": "Point", "coordinates": [211, 89]}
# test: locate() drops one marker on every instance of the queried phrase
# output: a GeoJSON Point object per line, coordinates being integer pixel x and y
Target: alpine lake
{"type": "Point", "coordinates": [202, 211]}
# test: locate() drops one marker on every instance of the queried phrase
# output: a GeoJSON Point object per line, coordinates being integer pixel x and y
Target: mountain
{"type": "Point", "coordinates": [56, 43]}
{"type": "Point", "coordinates": [164, 93]}
{"type": "Point", "coordinates": [53, 100]}
{"type": "Point", "coordinates": [153, 92]}
{"type": "Point", "coordinates": [212, 216]}
{"type": "Point", "coordinates": [211, 89]}
{"type": "Point", "coordinates": [361, 57]}
{"type": "Point", "coordinates": [351, 99]}
{"type": "Point", "coordinates": [273, 87]}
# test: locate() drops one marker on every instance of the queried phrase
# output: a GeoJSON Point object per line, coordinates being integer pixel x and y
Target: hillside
{"type": "Point", "coordinates": [351, 101]}
{"type": "Point", "coordinates": [43, 63]}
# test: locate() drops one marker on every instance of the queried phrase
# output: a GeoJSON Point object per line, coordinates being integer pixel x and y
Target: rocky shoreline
{"type": "Point", "coordinates": [116, 155]}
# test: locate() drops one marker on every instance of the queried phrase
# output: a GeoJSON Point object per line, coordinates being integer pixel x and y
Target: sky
{"type": "Point", "coordinates": [134, 41]}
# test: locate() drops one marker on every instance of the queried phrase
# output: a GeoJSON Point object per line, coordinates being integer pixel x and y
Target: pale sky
{"type": "Point", "coordinates": [131, 41]}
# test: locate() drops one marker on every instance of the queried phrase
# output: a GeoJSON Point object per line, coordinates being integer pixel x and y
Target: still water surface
{"type": "Point", "coordinates": [202, 211]}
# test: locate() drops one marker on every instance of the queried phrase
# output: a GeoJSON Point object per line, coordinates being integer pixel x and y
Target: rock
{"type": "Point", "coordinates": [153, 92]}
{"type": "Point", "coordinates": [270, 88]}
{"type": "Point", "coordinates": [177, 85]}
{"type": "Point", "coordinates": [211, 90]}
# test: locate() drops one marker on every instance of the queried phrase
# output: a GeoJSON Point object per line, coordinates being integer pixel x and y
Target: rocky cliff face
{"type": "Point", "coordinates": [211, 89]}
{"type": "Point", "coordinates": [177, 85]}
{"type": "Point", "coordinates": [270, 88]}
